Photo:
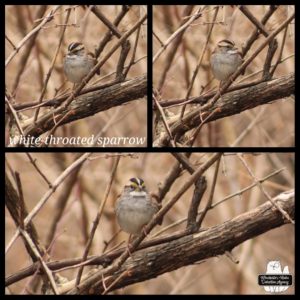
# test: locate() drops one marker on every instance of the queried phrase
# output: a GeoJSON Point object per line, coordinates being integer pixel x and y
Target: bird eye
{"type": "Point", "coordinates": [133, 186]}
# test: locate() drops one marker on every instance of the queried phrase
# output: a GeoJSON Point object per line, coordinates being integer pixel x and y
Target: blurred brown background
{"type": "Point", "coordinates": [217, 275]}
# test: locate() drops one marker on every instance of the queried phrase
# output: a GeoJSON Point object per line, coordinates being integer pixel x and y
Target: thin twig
{"type": "Point", "coordinates": [266, 194]}
{"type": "Point", "coordinates": [174, 35]}
{"type": "Point", "coordinates": [164, 121]}
{"type": "Point", "coordinates": [15, 115]}
{"type": "Point", "coordinates": [44, 89]}
{"type": "Point", "coordinates": [43, 264]}
{"type": "Point", "coordinates": [48, 194]}
{"type": "Point", "coordinates": [238, 193]}
{"type": "Point", "coordinates": [96, 10]}
{"type": "Point", "coordinates": [46, 19]}
{"type": "Point", "coordinates": [199, 62]}
{"type": "Point", "coordinates": [211, 195]}
{"type": "Point", "coordinates": [97, 219]}
{"type": "Point", "coordinates": [33, 161]}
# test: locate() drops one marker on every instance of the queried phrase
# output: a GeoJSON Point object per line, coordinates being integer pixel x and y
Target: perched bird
{"type": "Point", "coordinates": [225, 59]}
{"type": "Point", "coordinates": [135, 207]}
{"type": "Point", "coordinates": [78, 62]}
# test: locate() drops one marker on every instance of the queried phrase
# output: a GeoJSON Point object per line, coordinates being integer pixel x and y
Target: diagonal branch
{"type": "Point", "coordinates": [190, 249]}
{"type": "Point", "coordinates": [234, 103]}
{"type": "Point", "coordinates": [92, 103]}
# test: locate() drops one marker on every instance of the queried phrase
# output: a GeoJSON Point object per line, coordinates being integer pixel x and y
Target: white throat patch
{"type": "Point", "coordinates": [138, 194]}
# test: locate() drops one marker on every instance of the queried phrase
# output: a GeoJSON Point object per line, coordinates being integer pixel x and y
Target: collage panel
{"type": "Point", "coordinates": [149, 223]}
{"type": "Point", "coordinates": [146, 220]}
{"type": "Point", "coordinates": [223, 76]}
{"type": "Point", "coordinates": [76, 76]}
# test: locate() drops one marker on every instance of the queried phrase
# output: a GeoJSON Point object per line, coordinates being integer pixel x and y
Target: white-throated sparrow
{"type": "Point", "coordinates": [225, 59]}
{"type": "Point", "coordinates": [78, 63]}
{"type": "Point", "coordinates": [135, 208]}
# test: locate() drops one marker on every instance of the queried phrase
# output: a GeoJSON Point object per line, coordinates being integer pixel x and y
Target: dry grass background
{"type": "Point", "coordinates": [87, 28]}
{"type": "Point", "coordinates": [275, 127]}
{"type": "Point", "coordinates": [217, 275]}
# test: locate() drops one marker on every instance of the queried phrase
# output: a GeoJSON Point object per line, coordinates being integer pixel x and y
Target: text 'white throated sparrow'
{"type": "Point", "coordinates": [78, 63]}
{"type": "Point", "coordinates": [135, 208]}
{"type": "Point", "coordinates": [225, 59]}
